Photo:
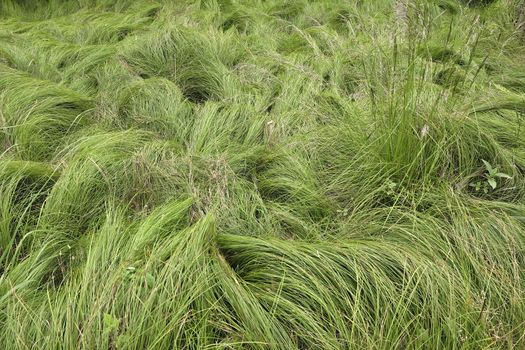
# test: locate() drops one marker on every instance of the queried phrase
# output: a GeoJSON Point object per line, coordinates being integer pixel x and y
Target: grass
{"type": "Point", "coordinates": [228, 174]}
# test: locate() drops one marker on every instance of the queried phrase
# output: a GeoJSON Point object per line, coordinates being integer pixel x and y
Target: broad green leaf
{"type": "Point", "coordinates": [503, 175]}
{"type": "Point", "coordinates": [487, 166]}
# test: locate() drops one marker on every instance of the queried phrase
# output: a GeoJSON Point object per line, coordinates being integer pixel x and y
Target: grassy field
{"type": "Point", "coordinates": [233, 174]}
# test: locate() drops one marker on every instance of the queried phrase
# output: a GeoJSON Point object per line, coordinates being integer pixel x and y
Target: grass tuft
{"type": "Point", "coordinates": [224, 174]}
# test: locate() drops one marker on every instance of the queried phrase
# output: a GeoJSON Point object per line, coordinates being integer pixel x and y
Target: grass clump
{"type": "Point", "coordinates": [262, 175]}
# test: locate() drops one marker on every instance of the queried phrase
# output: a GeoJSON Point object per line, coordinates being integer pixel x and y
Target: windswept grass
{"type": "Point", "coordinates": [226, 174]}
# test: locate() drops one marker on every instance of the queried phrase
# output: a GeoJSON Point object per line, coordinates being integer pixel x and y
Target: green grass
{"type": "Point", "coordinates": [230, 174]}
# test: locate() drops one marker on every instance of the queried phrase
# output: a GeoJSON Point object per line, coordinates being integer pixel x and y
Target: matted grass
{"type": "Point", "coordinates": [229, 174]}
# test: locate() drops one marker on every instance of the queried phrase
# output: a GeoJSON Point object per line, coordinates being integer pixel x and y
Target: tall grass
{"type": "Point", "coordinates": [223, 174]}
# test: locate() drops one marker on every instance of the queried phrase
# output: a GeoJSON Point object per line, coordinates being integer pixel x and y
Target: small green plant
{"type": "Point", "coordinates": [129, 273]}
{"type": "Point", "coordinates": [261, 174]}
{"type": "Point", "coordinates": [110, 323]}
{"type": "Point", "coordinates": [390, 187]}
{"type": "Point", "coordinates": [490, 179]}
{"type": "Point", "coordinates": [343, 212]}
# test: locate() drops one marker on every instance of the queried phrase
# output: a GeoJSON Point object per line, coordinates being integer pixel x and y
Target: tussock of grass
{"type": "Point", "coordinates": [261, 175]}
